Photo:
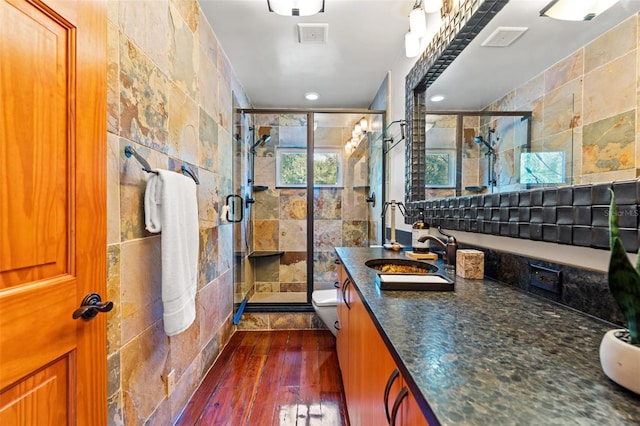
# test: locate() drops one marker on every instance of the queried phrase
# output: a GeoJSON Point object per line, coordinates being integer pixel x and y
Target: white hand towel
{"type": "Point", "coordinates": [171, 207]}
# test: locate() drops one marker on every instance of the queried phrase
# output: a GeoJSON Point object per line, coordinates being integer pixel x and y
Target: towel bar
{"type": "Point", "coordinates": [187, 171]}
{"type": "Point", "coordinates": [129, 151]}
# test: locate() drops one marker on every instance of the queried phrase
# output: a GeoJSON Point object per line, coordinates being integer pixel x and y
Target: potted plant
{"type": "Point", "coordinates": [620, 349]}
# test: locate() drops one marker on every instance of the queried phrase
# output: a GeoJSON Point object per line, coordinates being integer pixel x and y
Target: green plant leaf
{"type": "Point", "coordinates": [623, 277]}
{"type": "Point", "coordinates": [614, 231]}
{"type": "Point", "coordinates": [624, 283]}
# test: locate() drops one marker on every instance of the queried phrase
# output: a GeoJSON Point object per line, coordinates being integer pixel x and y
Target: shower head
{"type": "Point", "coordinates": [480, 140]}
{"type": "Point", "coordinates": [263, 139]}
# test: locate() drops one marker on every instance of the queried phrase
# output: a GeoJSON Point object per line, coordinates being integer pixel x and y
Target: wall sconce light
{"type": "Point", "coordinates": [296, 7]}
{"type": "Point", "coordinates": [431, 6]}
{"type": "Point", "coordinates": [418, 25]}
{"type": "Point", "coordinates": [576, 10]}
{"type": "Point", "coordinates": [418, 21]}
{"type": "Point", "coordinates": [349, 146]}
{"type": "Point", "coordinates": [364, 125]}
{"type": "Point", "coordinates": [411, 45]}
{"type": "Point", "coordinates": [359, 129]}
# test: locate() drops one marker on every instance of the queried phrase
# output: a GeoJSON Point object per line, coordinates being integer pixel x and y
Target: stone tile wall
{"type": "Point", "coordinates": [170, 91]}
{"type": "Point", "coordinates": [586, 105]}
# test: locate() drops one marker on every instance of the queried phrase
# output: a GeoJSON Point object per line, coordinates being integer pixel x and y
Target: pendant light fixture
{"type": "Point", "coordinates": [296, 7]}
{"type": "Point", "coordinates": [576, 10]}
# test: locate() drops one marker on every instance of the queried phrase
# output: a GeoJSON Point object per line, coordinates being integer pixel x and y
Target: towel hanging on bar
{"type": "Point", "coordinates": [171, 207]}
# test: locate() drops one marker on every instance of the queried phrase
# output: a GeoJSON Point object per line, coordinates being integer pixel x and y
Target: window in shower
{"type": "Point", "coordinates": [440, 168]}
{"type": "Point", "coordinates": [291, 168]}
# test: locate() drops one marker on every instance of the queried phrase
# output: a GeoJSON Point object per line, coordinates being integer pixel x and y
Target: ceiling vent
{"type": "Point", "coordinates": [312, 33]}
{"type": "Point", "coordinates": [504, 36]}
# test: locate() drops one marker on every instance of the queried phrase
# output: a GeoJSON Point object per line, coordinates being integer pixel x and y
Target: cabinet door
{"type": "Point", "coordinates": [372, 369]}
{"type": "Point", "coordinates": [411, 414]}
{"type": "Point", "coordinates": [372, 383]}
{"type": "Point", "coordinates": [355, 401]}
{"type": "Point", "coordinates": [343, 325]}
{"type": "Point", "coordinates": [406, 411]}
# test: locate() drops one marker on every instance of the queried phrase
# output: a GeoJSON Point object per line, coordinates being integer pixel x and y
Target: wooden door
{"type": "Point", "coordinates": [52, 211]}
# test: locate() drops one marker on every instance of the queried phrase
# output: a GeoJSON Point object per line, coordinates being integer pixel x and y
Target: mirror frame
{"type": "Point", "coordinates": [455, 34]}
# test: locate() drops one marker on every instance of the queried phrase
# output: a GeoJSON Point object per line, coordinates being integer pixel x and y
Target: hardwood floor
{"type": "Point", "coordinates": [261, 378]}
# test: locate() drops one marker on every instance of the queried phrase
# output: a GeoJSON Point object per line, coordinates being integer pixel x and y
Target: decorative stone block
{"type": "Point", "coordinates": [470, 264]}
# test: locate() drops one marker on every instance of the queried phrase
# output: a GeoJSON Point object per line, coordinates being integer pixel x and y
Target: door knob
{"type": "Point", "coordinates": [90, 307]}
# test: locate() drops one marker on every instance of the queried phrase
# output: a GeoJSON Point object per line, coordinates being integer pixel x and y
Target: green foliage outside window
{"type": "Point", "coordinates": [293, 168]}
{"type": "Point", "coordinates": [325, 168]}
{"type": "Point", "coordinates": [437, 170]}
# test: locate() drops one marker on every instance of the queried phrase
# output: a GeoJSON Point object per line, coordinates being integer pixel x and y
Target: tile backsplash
{"type": "Point", "coordinates": [573, 215]}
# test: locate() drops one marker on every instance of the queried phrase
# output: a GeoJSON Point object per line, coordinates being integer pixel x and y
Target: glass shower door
{"type": "Point", "coordinates": [342, 185]}
{"type": "Point", "coordinates": [235, 212]}
{"type": "Point", "coordinates": [279, 214]}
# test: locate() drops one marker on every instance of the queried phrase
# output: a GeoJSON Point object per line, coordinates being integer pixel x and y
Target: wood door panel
{"type": "Point", "coordinates": [45, 391]}
{"type": "Point", "coordinates": [34, 205]}
{"type": "Point", "coordinates": [28, 325]}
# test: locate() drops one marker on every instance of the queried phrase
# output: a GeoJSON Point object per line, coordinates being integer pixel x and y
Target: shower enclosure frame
{"type": "Point", "coordinates": [310, 113]}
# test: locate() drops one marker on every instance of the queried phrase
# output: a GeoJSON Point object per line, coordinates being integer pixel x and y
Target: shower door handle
{"type": "Point", "coordinates": [235, 212]}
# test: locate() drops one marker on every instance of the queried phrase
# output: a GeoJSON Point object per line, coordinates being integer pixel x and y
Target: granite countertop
{"type": "Point", "coordinates": [489, 354]}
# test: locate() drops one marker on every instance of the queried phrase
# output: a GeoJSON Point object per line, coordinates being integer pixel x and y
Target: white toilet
{"type": "Point", "coordinates": [325, 304]}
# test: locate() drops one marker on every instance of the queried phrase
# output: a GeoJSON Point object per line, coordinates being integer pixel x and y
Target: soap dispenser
{"type": "Point", "coordinates": [418, 230]}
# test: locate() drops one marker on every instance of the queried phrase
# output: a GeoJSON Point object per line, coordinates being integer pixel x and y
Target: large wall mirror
{"type": "Point", "coordinates": [505, 100]}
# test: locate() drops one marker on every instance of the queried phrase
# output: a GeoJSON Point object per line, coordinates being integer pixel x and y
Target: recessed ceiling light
{"type": "Point", "coordinates": [311, 96]}
{"type": "Point", "coordinates": [436, 98]}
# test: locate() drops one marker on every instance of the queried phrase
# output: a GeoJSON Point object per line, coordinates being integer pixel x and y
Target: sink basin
{"type": "Point", "coordinates": [406, 274]}
{"type": "Point", "coordinates": [401, 266]}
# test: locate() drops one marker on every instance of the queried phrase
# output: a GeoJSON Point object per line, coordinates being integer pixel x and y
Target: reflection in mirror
{"type": "Point", "coordinates": [469, 153]}
{"type": "Point", "coordinates": [581, 92]}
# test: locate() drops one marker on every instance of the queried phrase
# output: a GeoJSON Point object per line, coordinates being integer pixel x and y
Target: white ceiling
{"type": "Point", "coordinates": [366, 39]}
{"type": "Point", "coordinates": [481, 75]}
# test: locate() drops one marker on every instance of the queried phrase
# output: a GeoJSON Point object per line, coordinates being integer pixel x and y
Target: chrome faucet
{"type": "Point", "coordinates": [449, 247]}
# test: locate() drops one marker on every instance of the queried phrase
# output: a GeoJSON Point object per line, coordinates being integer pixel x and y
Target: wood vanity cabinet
{"type": "Point", "coordinates": [370, 377]}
